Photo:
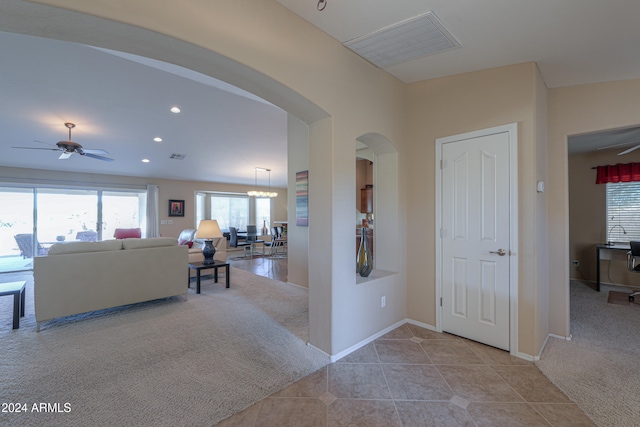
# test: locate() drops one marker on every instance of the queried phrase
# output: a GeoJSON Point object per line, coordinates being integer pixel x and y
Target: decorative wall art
{"type": "Point", "coordinates": [176, 207]}
{"type": "Point", "coordinates": [302, 198]}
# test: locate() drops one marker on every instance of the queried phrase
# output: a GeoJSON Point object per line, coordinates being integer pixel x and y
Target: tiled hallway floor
{"type": "Point", "coordinates": [267, 266]}
{"type": "Point", "coordinates": [416, 377]}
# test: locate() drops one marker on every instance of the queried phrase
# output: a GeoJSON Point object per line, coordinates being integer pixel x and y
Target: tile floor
{"type": "Point", "coordinates": [274, 267]}
{"type": "Point", "coordinates": [412, 377]}
{"type": "Point", "coordinates": [416, 377]}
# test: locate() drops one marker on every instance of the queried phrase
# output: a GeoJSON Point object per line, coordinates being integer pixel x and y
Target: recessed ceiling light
{"type": "Point", "coordinates": [146, 160]}
{"type": "Point", "coordinates": [157, 139]}
{"type": "Point", "coordinates": [175, 110]}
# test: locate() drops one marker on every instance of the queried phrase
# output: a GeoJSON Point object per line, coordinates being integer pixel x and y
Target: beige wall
{"type": "Point", "coordinates": [459, 104]}
{"type": "Point", "coordinates": [575, 110]}
{"type": "Point", "coordinates": [587, 217]}
{"type": "Point", "coordinates": [298, 236]}
{"type": "Point", "coordinates": [542, 230]}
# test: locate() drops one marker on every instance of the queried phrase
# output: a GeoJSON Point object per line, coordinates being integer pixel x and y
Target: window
{"type": "Point", "coordinates": [62, 214]}
{"type": "Point", "coordinates": [230, 210]}
{"type": "Point", "coordinates": [263, 213]}
{"type": "Point", "coordinates": [623, 211]}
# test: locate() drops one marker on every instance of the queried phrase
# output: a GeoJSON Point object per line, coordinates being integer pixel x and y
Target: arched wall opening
{"type": "Point", "coordinates": [65, 25]}
{"type": "Point", "coordinates": [265, 49]}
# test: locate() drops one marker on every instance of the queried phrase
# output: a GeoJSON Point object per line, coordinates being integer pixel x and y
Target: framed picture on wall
{"type": "Point", "coordinates": [176, 207]}
{"type": "Point", "coordinates": [302, 198]}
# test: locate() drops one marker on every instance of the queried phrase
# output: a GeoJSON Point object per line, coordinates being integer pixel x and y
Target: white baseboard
{"type": "Point", "coordinates": [422, 325]}
{"type": "Point", "coordinates": [364, 342]}
{"type": "Point", "coordinates": [544, 344]}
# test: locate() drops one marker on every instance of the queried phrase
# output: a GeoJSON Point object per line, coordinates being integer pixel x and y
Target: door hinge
{"type": "Point", "coordinates": [440, 301]}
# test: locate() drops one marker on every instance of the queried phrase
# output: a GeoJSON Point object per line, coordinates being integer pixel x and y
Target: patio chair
{"type": "Point", "coordinates": [87, 236]}
{"type": "Point", "coordinates": [25, 243]}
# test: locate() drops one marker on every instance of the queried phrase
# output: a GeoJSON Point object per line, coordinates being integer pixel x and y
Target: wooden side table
{"type": "Point", "coordinates": [17, 290]}
{"type": "Point", "coordinates": [199, 266]}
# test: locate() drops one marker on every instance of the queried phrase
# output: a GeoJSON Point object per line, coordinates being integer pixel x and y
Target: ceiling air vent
{"type": "Point", "coordinates": [418, 36]}
{"type": "Point", "coordinates": [175, 156]}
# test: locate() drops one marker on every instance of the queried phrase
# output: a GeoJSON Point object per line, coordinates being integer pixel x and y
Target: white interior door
{"type": "Point", "coordinates": [475, 238]}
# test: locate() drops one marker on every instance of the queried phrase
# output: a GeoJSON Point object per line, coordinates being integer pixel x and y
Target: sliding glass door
{"type": "Point", "coordinates": [122, 209]}
{"type": "Point", "coordinates": [65, 215]}
{"type": "Point", "coordinates": [16, 229]}
{"type": "Point", "coordinates": [33, 218]}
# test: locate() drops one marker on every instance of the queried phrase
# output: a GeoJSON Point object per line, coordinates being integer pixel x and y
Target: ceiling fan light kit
{"type": "Point", "coordinates": [69, 147]}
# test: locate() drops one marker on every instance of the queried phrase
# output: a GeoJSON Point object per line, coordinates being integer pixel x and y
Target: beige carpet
{"type": "Point", "coordinates": [598, 369]}
{"type": "Point", "coordinates": [164, 363]}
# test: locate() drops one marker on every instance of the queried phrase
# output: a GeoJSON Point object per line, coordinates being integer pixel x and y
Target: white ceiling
{"type": "Point", "coordinates": [119, 102]}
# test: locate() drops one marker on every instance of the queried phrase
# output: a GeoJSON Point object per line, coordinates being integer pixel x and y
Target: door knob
{"type": "Point", "coordinates": [500, 252]}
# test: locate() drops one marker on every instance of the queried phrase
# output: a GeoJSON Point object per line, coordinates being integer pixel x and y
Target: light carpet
{"type": "Point", "coordinates": [598, 369]}
{"type": "Point", "coordinates": [164, 363]}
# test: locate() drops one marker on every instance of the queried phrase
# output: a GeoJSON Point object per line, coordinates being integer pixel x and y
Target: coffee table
{"type": "Point", "coordinates": [17, 290]}
{"type": "Point", "coordinates": [199, 266]}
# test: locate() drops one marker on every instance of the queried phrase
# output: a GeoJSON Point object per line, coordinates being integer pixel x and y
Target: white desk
{"type": "Point", "coordinates": [610, 252]}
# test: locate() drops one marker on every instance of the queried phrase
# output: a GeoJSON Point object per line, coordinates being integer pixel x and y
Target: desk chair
{"type": "Point", "coordinates": [633, 263]}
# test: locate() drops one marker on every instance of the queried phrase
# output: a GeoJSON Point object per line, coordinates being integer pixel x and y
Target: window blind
{"type": "Point", "coordinates": [623, 211]}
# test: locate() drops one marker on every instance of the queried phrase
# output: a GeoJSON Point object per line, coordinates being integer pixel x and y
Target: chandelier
{"type": "Point", "coordinates": [256, 193]}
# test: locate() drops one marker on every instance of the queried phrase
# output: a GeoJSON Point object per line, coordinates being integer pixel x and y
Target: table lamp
{"type": "Point", "coordinates": [208, 230]}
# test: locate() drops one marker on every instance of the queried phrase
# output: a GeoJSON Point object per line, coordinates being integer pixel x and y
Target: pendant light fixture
{"type": "Point", "coordinates": [256, 193]}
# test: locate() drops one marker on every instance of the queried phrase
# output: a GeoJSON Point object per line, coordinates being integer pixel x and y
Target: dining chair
{"type": "Point", "coordinates": [234, 242]}
{"type": "Point", "coordinates": [252, 238]}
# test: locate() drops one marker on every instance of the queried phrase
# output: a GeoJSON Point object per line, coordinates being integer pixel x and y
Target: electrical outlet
{"type": "Point", "coordinates": [576, 263]}
{"type": "Point", "coordinates": [383, 301]}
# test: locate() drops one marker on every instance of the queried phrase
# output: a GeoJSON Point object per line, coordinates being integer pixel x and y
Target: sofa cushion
{"type": "Point", "coordinates": [81, 247]}
{"type": "Point", "coordinates": [149, 243]}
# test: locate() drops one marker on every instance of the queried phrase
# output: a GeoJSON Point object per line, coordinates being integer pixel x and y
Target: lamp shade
{"type": "Point", "coordinates": [208, 229]}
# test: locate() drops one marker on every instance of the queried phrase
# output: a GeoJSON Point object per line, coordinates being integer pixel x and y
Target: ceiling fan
{"type": "Point", "coordinates": [622, 144]}
{"type": "Point", "coordinates": [69, 147]}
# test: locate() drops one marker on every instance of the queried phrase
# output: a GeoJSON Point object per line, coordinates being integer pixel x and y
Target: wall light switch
{"type": "Point", "coordinates": [163, 222]}
{"type": "Point", "coordinates": [170, 221]}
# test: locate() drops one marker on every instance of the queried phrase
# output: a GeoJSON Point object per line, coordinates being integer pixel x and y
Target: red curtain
{"type": "Point", "coordinates": [627, 172]}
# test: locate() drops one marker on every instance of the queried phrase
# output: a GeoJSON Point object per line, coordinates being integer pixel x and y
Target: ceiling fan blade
{"type": "Point", "coordinates": [95, 151]}
{"type": "Point", "coordinates": [65, 155]}
{"type": "Point", "coordinates": [628, 150]}
{"type": "Point", "coordinates": [42, 142]}
{"type": "Point", "coordinates": [38, 148]}
{"type": "Point", "coordinates": [95, 156]}
{"type": "Point", "coordinates": [621, 144]}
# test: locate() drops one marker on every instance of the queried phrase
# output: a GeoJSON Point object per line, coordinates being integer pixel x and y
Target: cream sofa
{"type": "Point", "coordinates": [85, 276]}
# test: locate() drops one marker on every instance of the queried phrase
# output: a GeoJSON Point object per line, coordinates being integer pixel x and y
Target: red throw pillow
{"type": "Point", "coordinates": [127, 233]}
{"type": "Point", "coordinates": [185, 243]}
